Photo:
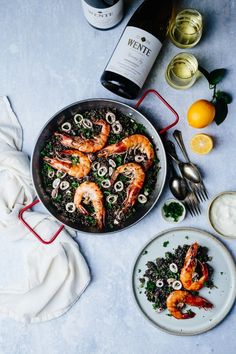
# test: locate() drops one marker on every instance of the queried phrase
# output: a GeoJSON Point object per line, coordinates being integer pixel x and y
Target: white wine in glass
{"type": "Point", "coordinates": [186, 29]}
{"type": "Point", "coordinates": [182, 71]}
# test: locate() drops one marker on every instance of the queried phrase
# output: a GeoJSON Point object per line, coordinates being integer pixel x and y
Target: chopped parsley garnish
{"type": "Point", "coordinates": [58, 198]}
{"type": "Point", "coordinates": [90, 219]}
{"type": "Point", "coordinates": [139, 128]}
{"type": "Point", "coordinates": [74, 160]}
{"type": "Point", "coordinates": [150, 286]}
{"type": "Point", "coordinates": [74, 184]}
{"type": "Point", "coordinates": [173, 210]}
{"type": "Point", "coordinates": [166, 243]}
{"type": "Point", "coordinates": [47, 167]}
{"type": "Point", "coordinates": [190, 312]}
{"type": "Point", "coordinates": [118, 160]}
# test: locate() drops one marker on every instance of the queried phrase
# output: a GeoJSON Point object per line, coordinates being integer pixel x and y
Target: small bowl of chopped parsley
{"type": "Point", "coordinates": [173, 211]}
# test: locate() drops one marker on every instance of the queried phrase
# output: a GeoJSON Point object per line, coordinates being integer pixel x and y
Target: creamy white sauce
{"type": "Point", "coordinates": [223, 214]}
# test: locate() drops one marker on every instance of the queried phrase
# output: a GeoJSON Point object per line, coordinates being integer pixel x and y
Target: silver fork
{"type": "Point", "coordinates": [192, 204]}
{"type": "Point", "coordinates": [197, 187]}
{"type": "Point", "coordinates": [191, 201]}
{"type": "Point", "coordinates": [199, 190]}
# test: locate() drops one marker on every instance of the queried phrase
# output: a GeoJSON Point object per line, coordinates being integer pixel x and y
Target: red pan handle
{"type": "Point", "coordinates": [20, 216]}
{"type": "Point", "coordinates": [165, 103]}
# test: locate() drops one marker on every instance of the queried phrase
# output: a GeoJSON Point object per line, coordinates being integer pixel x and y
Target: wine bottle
{"type": "Point", "coordinates": [103, 14]}
{"type": "Point", "coordinates": [138, 48]}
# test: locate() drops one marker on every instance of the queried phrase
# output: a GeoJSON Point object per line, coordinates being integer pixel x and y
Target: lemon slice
{"type": "Point", "coordinates": [201, 144]}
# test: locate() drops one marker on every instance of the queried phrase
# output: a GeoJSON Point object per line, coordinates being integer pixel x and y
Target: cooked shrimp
{"type": "Point", "coordinates": [137, 179]}
{"type": "Point", "coordinates": [178, 298]}
{"type": "Point", "coordinates": [187, 272]}
{"type": "Point", "coordinates": [87, 145]}
{"type": "Point", "coordinates": [92, 193]}
{"type": "Point", "coordinates": [131, 142]}
{"type": "Point", "coordinates": [79, 169]}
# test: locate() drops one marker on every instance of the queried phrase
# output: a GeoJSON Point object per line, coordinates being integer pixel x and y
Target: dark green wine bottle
{"type": "Point", "coordinates": [103, 14]}
{"type": "Point", "coordinates": [138, 48]}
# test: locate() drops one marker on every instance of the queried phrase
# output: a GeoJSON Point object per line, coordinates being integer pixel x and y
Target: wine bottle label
{"type": "Point", "coordinates": [103, 18]}
{"type": "Point", "coordinates": [134, 55]}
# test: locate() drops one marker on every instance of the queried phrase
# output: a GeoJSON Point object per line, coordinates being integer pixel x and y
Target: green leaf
{"type": "Point", "coordinates": [204, 72]}
{"type": "Point", "coordinates": [216, 76]}
{"type": "Point", "coordinates": [224, 95]}
{"type": "Point", "coordinates": [221, 111]}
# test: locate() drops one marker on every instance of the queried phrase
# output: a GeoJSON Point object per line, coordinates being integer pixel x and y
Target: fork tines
{"type": "Point", "coordinates": [192, 204]}
{"type": "Point", "coordinates": [200, 191]}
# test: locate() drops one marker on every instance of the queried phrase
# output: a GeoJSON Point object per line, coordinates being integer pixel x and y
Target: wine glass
{"type": "Point", "coordinates": [186, 29]}
{"type": "Point", "coordinates": [182, 71]}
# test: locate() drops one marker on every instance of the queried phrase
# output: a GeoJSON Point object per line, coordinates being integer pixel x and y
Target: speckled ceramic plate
{"type": "Point", "coordinates": [224, 277]}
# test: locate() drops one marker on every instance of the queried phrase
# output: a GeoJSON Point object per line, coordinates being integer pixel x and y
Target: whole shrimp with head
{"type": "Point", "coordinates": [78, 169]}
{"type": "Point", "coordinates": [90, 192]}
{"type": "Point", "coordinates": [137, 177]}
{"type": "Point", "coordinates": [87, 145]}
{"type": "Point", "coordinates": [136, 141]}
{"type": "Point", "coordinates": [188, 270]}
{"type": "Point", "coordinates": [177, 300]}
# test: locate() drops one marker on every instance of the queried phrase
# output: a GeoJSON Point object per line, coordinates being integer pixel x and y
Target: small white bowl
{"type": "Point", "coordinates": [169, 219]}
{"type": "Point", "coordinates": [216, 198]}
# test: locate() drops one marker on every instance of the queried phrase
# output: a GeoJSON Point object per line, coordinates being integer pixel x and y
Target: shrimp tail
{"type": "Point", "coordinates": [190, 258]}
{"type": "Point", "coordinates": [82, 209]}
{"type": "Point", "coordinates": [114, 176]}
{"type": "Point", "coordinates": [57, 163]}
{"type": "Point", "coordinates": [147, 165]}
{"type": "Point", "coordinates": [118, 148]}
{"type": "Point", "coordinates": [71, 152]}
{"type": "Point", "coordinates": [65, 140]}
{"type": "Point", "coordinates": [132, 195]}
{"type": "Point", "coordinates": [101, 221]}
{"type": "Point", "coordinates": [198, 301]}
{"type": "Point", "coordinates": [205, 272]}
{"type": "Point", "coordinates": [187, 315]}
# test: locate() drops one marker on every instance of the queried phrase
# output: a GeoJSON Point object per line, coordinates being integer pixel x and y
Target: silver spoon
{"type": "Point", "coordinates": [186, 168]}
{"type": "Point", "coordinates": [189, 170]}
{"type": "Point", "coordinates": [178, 185]}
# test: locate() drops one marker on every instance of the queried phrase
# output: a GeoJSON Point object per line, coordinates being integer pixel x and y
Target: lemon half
{"type": "Point", "coordinates": [201, 144]}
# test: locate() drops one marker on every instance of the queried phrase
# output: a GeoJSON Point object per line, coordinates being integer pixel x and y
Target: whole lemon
{"type": "Point", "coordinates": [201, 113]}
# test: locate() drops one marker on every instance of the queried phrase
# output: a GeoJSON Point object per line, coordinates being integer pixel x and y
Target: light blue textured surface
{"type": "Point", "coordinates": [50, 57]}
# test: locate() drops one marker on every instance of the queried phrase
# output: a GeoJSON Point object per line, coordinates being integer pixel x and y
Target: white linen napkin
{"type": "Point", "coordinates": [37, 282]}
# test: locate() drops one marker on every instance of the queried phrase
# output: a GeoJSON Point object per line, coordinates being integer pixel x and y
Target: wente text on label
{"type": "Point", "coordinates": [139, 46]}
